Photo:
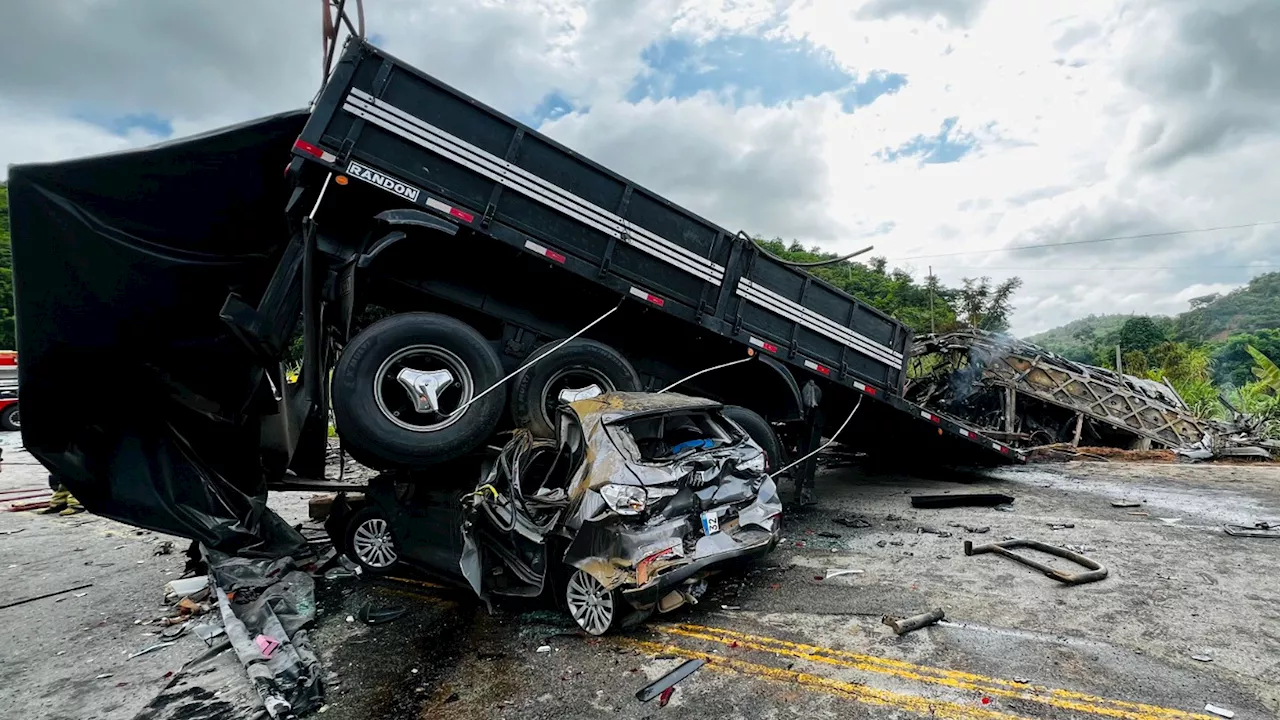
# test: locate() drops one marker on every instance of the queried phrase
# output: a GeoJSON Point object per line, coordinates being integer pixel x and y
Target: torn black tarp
{"type": "Point", "coordinates": [267, 606]}
{"type": "Point", "coordinates": [135, 393]}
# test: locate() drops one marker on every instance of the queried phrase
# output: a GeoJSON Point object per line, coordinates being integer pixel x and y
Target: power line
{"type": "Point", "coordinates": [1110, 267]}
{"type": "Point", "coordinates": [1169, 233]}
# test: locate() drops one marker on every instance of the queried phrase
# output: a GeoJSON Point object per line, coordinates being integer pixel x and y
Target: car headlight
{"type": "Point", "coordinates": [624, 499]}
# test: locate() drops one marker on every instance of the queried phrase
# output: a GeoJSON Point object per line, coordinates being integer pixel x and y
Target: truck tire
{"type": "Point", "coordinates": [579, 364]}
{"type": "Point", "coordinates": [9, 418]}
{"type": "Point", "coordinates": [758, 429]}
{"type": "Point", "coordinates": [383, 424]}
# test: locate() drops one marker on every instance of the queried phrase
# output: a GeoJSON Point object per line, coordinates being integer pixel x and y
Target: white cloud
{"type": "Point", "coordinates": [1093, 118]}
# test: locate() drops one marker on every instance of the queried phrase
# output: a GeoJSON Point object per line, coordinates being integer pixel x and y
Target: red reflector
{"type": "Point", "coordinates": [973, 435]}
{"type": "Point", "coordinates": [308, 148]}
{"type": "Point", "coordinates": [465, 216]}
{"type": "Point", "coordinates": [935, 418]}
{"type": "Point", "coordinates": [553, 255]}
{"type": "Point", "coordinates": [1004, 450]}
{"type": "Point", "coordinates": [871, 390]}
{"type": "Point", "coordinates": [770, 347]}
{"type": "Point", "coordinates": [655, 300]}
{"type": "Point", "coordinates": [824, 370]}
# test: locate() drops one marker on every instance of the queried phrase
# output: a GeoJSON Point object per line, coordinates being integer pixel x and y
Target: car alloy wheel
{"type": "Point", "coordinates": [590, 603]}
{"type": "Point", "coordinates": [373, 544]}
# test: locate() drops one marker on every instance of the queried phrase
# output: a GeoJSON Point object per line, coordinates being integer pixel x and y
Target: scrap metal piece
{"type": "Point", "coordinates": [55, 593]}
{"type": "Point", "coordinates": [902, 626]}
{"type": "Point", "coordinates": [662, 684]}
{"type": "Point", "coordinates": [1258, 530]}
{"type": "Point", "coordinates": [938, 502]}
{"type": "Point", "coordinates": [1096, 570]}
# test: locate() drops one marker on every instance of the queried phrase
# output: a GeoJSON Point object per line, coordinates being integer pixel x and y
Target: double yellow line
{"type": "Point", "coordinates": [959, 680]}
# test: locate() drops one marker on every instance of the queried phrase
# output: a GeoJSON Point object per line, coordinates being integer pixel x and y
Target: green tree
{"type": "Point", "coordinates": [1140, 333]}
{"type": "Point", "coordinates": [984, 306]}
{"type": "Point", "coordinates": [1232, 364]}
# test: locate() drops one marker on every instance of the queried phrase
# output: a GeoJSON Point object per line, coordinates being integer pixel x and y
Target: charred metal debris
{"type": "Point", "coordinates": [1028, 397]}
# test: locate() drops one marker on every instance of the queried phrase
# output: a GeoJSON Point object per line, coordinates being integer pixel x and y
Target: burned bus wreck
{"type": "Point", "coordinates": [1028, 397]}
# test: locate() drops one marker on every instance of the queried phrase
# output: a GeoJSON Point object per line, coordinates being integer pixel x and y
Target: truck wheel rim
{"type": "Point", "coordinates": [17, 422]}
{"type": "Point", "coordinates": [570, 379]}
{"type": "Point", "coordinates": [398, 406]}
{"type": "Point", "coordinates": [373, 544]}
{"type": "Point", "coordinates": [590, 603]}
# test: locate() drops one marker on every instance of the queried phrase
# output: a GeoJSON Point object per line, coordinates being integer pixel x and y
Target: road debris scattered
{"type": "Point", "coordinates": [1257, 530]}
{"type": "Point", "coordinates": [55, 593]}
{"type": "Point", "coordinates": [940, 502]}
{"type": "Point", "coordinates": [1061, 526]}
{"type": "Point", "coordinates": [153, 648]}
{"type": "Point", "coordinates": [1126, 503]}
{"type": "Point", "coordinates": [855, 522]}
{"type": "Point", "coordinates": [902, 626]}
{"type": "Point", "coordinates": [666, 683]}
{"type": "Point", "coordinates": [1202, 658]}
{"type": "Point", "coordinates": [977, 529]}
{"type": "Point", "coordinates": [1210, 707]}
{"type": "Point", "coordinates": [834, 572]}
{"type": "Point", "coordinates": [543, 649]}
{"type": "Point", "coordinates": [932, 531]}
{"type": "Point", "coordinates": [370, 615]}
{"type": "Point", "coordinates": [1096, 571]}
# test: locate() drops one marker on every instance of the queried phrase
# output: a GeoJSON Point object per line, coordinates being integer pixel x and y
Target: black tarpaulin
{"type": "Point", "coordinates": [134, 392]}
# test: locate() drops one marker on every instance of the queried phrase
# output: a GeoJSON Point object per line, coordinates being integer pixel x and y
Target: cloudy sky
{"type": "Point", "coordinates": [937, 130]}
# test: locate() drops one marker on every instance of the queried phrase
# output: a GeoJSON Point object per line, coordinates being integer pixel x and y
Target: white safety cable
{"type": "Point", "coordinates": [320, 197]}
{"type": "Point", "coordinates": [824, 446]}
{"type": "Point", "coordinates": [700, 372]}
{"type": "Point", "coordinates": [529, 364]}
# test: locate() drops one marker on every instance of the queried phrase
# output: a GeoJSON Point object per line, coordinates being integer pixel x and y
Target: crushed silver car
{"type": "Point", "coordinates": [638, 499]}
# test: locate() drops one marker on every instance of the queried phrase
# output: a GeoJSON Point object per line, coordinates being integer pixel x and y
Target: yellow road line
{"type": "Point", "coordinates": [1064, 699]}
{"type": "Point", "coordinates": [939, 709]}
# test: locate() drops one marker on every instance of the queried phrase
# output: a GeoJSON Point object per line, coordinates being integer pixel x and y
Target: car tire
{"type": "Point", "coordinates": [580, 363]}
{"type": "Point", "coordinates": [595, 609]}
{"type": "Point", "coordinates": [9, 419]}
{"type": "Point", "coordinates": [369, 542]}
{"type": "Point", "coordinates": [758, 429]}
{"type": "Point", "coordinates": [380, 424]}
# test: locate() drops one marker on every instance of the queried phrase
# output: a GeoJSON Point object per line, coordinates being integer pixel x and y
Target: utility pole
{"type": "Point", "coordinates": [1119, 369]}
{"type": "Point", "coordinates": [932, 325]}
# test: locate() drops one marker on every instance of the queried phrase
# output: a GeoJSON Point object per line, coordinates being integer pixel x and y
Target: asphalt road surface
{"type": "Point", "coordinates": [781, 639]}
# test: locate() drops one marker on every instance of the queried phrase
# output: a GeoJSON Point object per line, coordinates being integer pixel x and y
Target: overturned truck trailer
{"type": "Point", "coordinates": [1028, 396]}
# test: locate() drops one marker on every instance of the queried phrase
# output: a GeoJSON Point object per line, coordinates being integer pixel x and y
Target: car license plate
{"type": "Point", "coordinates": [710, 523]}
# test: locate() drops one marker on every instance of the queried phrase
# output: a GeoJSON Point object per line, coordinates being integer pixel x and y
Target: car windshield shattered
{"type": "Point", "coordinates": [628, 511]}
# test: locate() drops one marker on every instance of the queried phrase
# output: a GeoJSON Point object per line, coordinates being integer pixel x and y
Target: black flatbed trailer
{"type": "Point", "coordinates": [173, 270]}
{"type": "Point", "coordinates": [394, 132]}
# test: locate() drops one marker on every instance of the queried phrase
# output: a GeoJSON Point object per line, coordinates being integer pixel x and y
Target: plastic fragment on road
{"type": "Point", "coordinates": [1126, 503]}
{"type": "Point", "coordinates": [837, 572]}
{"type": "Point", "coordinates": [153, 648]}
{"type": "Point", "coordinates": [1210, 707]}
{"type": "Point", "coordinates": [543, 649]}
{"type": "Point", "coordinates": [186, 586]}
{"type": "Point", "coordinates": [665, 697]}
{"type": "Point", "coordinates": [668, 682]}
{"type": "Point", "coordinates": [377, 616]}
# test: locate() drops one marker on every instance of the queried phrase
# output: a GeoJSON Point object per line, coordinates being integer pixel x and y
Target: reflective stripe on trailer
{"type": "Point", "coordinates": [930, 417]}
{"type": "Point", "coordinates": [463, 215]}
{"type": "Point", "coordinates": [646, 295]}
{"type": "Point", "coordinates": [823, 369]}
{"type": "Point", "coordinates": [412, 128]}
{"type": "Point", "coordinates": [864, 388]}
{"type": "Point", "coordinates": [762, 344]}
{"type": "Point", "coordinates": [545, 252]}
